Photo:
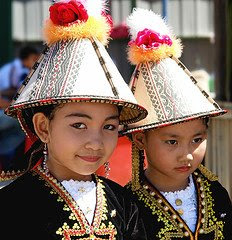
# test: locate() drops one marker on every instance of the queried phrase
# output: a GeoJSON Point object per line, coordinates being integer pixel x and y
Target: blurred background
{"type": "Point", "coordinates": [205, 27]}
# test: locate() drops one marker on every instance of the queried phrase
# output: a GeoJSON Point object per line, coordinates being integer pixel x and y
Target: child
{"type": "Point", "coordinates": [177, 197]}
{"type": "Point", "coordinates": [71, 105]}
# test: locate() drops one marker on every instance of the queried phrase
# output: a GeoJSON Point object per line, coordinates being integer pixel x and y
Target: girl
{"type": "Point", "coordinates": [177, 197]}
{"type": "Point", "coordinates": [71, 105]}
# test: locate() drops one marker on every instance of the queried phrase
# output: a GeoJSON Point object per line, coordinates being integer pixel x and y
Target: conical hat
{"type": "Point", "coordinates": [75, 65]}
{"type": "Point", "coordinates": [160, 82]}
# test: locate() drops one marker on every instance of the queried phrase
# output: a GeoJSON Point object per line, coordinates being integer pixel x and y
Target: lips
{"type": "Point", "coordinates": [90, 158]}
{"type": "Point", "coordinates": [183, 169]}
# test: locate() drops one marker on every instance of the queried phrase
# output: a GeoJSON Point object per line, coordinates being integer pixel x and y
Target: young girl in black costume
{"type": "Point", "coordinates": [177, 197]}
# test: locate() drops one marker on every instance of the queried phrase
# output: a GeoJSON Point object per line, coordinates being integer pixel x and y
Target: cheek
{"type": "Point", "coordinates": [110, 142]}
{"type": "Point", "coordinates": [200, 151]}
{"type": "Point", "coordinates": [62, 139]}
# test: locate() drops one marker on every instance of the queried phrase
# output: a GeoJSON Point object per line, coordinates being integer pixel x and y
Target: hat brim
{"type": "Point", "coordinates": [130, 112]}
{"type": "Point", "coordinates": [170, 122]}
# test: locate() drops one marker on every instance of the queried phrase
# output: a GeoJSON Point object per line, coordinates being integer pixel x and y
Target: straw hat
{"type": "Point", "coordinates": [75, 67]}
{"type": "Point", "coordinates": [160, 82]}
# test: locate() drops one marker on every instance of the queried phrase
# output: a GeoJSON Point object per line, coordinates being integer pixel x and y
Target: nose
{"type": "Point", "coordinates": [95, 142]}
{"type": "Point", "coordinates": [186, 155]}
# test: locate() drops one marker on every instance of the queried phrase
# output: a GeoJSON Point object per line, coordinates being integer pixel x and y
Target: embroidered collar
{"type": "Point", "coordinates": [84, 193]}
{"type": "Point", "coordinates": [185, 203]}
{"type": "Point", "coordinates": [174, 225]}
{"type": "Point", "coordinates": [80, 225]}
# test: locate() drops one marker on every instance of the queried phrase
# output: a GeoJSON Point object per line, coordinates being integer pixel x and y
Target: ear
{"type": "Point", "coordinates": [41, 126]}
{"type": "Point", "coordinates": [139, 139]}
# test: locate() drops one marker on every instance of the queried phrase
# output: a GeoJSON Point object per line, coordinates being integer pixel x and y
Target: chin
{"type": "Point", "coordinates": [87, 172]}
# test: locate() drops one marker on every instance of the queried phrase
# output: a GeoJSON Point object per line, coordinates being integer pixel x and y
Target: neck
{"type": "Point", "coordinates": [164, 183]}
{"type": "Point", "coordinates": [61, 173]}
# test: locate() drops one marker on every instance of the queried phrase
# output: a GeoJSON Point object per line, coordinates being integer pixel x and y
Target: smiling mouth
{"type": "Point", "coordinates": [90, 158]}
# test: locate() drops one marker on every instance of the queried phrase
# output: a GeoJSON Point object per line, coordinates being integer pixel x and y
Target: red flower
{"type": "Point", "coordinates": [64, 13]}
{"type": "Point", "coordinates": [150, 39]}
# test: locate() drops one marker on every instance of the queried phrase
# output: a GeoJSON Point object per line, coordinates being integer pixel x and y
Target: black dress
{"type": "Point", "coordinates": [163, 222]}
{"type": "Point", "coordinates": [37, 206]}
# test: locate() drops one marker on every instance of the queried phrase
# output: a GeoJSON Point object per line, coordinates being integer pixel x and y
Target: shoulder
{"type": "Point", "coordinates": [217, 190]}
{"type": "Point", "coordinates": [111, 184]}
{"type": "Point", "coordinates": [18, 186]}
{"type": "Point", "coordinates": [114, 189]}
{"type": "Point", "coordinates": [207, 173]}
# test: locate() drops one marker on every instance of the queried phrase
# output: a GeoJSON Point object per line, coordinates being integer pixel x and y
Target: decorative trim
{"type": "Point", "coordinates": [104, 67]}
{"type": "Point", "coordinates": [207, 173]}
{"type": "Point", "coordinates": [125, 119]}
{"type": "Point", "coordinates": [135, 168]}
{"type": "Point", "coordinates": [161, 124]}
{"type": "Point", "coordinates": [10, 175]}
{"type": "Point", "coordinates": [174, 225]}
{"type": "Point", "coordinates": [185, 69]}
{"type": "Point", "coordinates": [80, 226]}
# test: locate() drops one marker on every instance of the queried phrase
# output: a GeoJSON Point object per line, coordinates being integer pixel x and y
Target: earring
{"type": "Point", "coordinates": [107, 169]}
{"type": "Point", "coordinates": [44, 163]}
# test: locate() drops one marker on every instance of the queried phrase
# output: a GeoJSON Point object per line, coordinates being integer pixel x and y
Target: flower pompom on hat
{"type": "Point", "coordinates": [160, 81]}
{"type": "Point", "coordinates": [75, 67]}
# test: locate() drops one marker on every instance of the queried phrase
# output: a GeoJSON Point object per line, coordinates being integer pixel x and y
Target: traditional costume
{"type": "Point", "coordinates": [171, 95]}
{"type": "Point", "coordinates": [74, 67]}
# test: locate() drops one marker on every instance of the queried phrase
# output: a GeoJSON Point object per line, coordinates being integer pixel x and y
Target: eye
{"type": "Point", "coordinates": [79, 125]}
{"type": "Point", "coordinates": [197, 140]}
{"type": "Point", "coordinates": [171, 142]}
{"type": "Point", "coordinates": [110, 127]}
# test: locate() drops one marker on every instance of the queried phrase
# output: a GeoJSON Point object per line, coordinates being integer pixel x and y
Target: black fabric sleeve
{"type": "Point", "coordinates": [128, 220]}
{"type": "Point", "coordinates": [135, 229]}
{"type": "Point", "coordinates": [223, 208]}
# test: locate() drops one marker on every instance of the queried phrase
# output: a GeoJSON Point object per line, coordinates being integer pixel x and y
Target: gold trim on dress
{"type": "Point", "coordinates": [174, 226]}
{"type": "Point", "coordinates": [80, 226]}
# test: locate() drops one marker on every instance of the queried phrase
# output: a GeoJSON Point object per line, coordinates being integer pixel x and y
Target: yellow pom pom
{"type": "Point", "coordinates": [138, 55]}
{"type": "Point", "coordinates": [92, 28]}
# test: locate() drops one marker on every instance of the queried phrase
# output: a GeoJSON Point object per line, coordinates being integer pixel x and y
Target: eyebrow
{"type": "Point", "coordinates": [176, 136]}
{"type": "Point", "coordinates": [200, 133]}
{"type": "Point", "coordinates": [82, 115]}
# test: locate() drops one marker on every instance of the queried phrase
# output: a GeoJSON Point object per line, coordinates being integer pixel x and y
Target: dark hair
{"type": "Point", "coordinates": [26, 51]}
{"type": "Point", "coordinates": [206, 121]}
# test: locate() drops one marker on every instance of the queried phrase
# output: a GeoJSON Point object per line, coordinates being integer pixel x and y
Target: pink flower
{"type": "Point", "coordinates": [151, 39]}
{"type": "Point", "coordinates": [64, 13]}
{"type": "Point", "coordinates": [108, 19]}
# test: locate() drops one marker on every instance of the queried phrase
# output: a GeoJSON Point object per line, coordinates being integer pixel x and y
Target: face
{"type": "Point", "coordinates": [80, 138]}
{"type": "Point", "coordinates": [174, 152]}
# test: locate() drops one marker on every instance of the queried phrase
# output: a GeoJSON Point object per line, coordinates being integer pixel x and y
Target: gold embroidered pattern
{"type": "Point", "coordinates": [80, 226]}
{"type": "Point", "coordinates": [135, 167]}
{"type": "Point", "coordinates": [208, 219]}
{"type": "Point", "coordinates": [10, 175]}
{"type": "Point", "coordinates": [174, 226]}
{"type": "Point", "coordinates": [207, 173]}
